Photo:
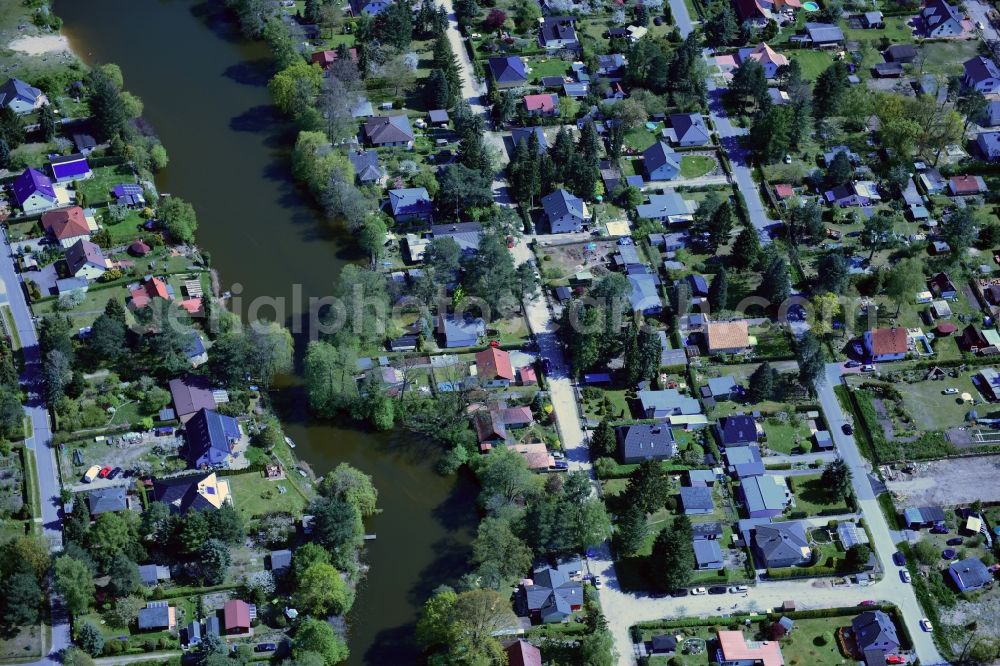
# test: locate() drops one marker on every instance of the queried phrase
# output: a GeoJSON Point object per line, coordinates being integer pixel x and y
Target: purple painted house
{"type": "Point", "coordinates": [70, 168]}
{"type": "Point", "coordinates": [33, 192]}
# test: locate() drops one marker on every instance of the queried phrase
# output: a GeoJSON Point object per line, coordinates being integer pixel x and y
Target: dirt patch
{"type": "Point", "coordinates": [947, 482]}
{"type": "Point", "coordinates": [984, 611]}
{"type": "Point", "coordinates": [562, 261]}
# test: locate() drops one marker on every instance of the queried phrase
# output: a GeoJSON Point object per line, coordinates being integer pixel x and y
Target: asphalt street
{"type": "Point", "coordinates": [40, 441]}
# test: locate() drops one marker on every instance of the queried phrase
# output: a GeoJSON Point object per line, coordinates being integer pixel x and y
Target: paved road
{"type": "Point", "coordinates": [728, 134]}
{"type": "Point", "coordinates": [472, 90]}
{"type": "Point", "coordinates": [891, 587]}
{"type": "Point", "coordinates": [40, 442]}
{"type": "Point", "coordinates": [978, 13]}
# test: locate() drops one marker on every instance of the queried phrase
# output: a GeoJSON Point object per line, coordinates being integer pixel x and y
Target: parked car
{"type": "Point", "coordinates": [894, 659]}
{"type": "Point", "coordinates": [904, 575]}
{"type": "Point", "coordinates": [868, 367]}
{"type": "Point", "coordinates": [955, 541]}
{"type": "Point", "coordinates": [91, 474]}
{"type": "Point", "coordinates": [717, 589]}
{"type": "Point", "coordinates": [698, 591]}
{"type": "Point", "coordinates": [852, 364]}
{"type": "Point", "coordinates": [105, 471]}
{"type": "Point", "coordinates": [115, 472]}
{"type": "Point", "coordinates": [737, 589]}
{"type": "Point", "coordinates": [682, 592]}
{"type": "Point", "coordinates": [950, 391]}
{"type": "Point", "coordinates": [848, 430]}
{"type": "Point", "coordinates": [598, 583]}
{"type": "Point", "coordinates": [926, 625]}
{"type": "Point", "coordinates": [867, 602]}
{"type": "Point", "coordinates": [899, 559]}
{"type": "Point", "coordinates": [266, 647]}
{"type": "Point", "coordinates": [939, 529]}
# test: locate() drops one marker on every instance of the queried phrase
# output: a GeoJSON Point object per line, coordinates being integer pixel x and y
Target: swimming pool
{"type": "Point", "coordinates": [810, 6]}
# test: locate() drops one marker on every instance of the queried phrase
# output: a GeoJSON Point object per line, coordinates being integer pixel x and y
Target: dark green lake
{"type": "Point", "coordinates": [204, 89]}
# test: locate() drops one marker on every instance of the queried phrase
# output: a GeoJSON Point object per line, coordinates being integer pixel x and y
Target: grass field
{"type": "Point", "coordinates": [640, 138]}
{"type": "Point", "coordinates": [896, 30]}
{"type": "Point", "coordinates": [947, 57]}
{"type": "Point", "coordinates": [696, 166]}
{"type": "Point", "coordinates": [96, 190]}
{"type": "Point", "coordinates": [785, 437]}
{"type": "Point", "coordinates": [812, 63]}
{"type": "Point", "coordinates": [547, 67]}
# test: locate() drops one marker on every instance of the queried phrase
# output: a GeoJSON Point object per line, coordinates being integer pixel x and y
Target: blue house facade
{"type": "Point", "coordinates": [660, 162]}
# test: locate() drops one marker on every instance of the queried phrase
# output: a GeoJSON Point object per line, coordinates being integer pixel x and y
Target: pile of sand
{"type": "Point", "coordinates": [40, 45]}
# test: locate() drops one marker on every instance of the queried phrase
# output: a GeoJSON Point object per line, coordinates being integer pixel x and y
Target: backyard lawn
{"type": "Point", "coordinates": [598, 404]}
{"type": "Point", "coordinates": [255, 495]}
{"type": "Point", "coordinates": [696, 166]}
{"type": "Point", "coordinates": [548, 67]}
{"type": "Point", "coordinates": [946, 57]}
{"type": "Point", "coordinates": [896, 30]}
{"type": "Point", "coordinates": [640, 138]}
{"type": "Point", "coordinates": [814, 498]}
{"type": "Point", "coordinates": [810, 643]}
{"type": "Point", "coordinates": [787, 437]}
{"type": "Point", "coordinates": [97, 189]}
{"type": "Point", "coordinates": [127, 230]}
{"type": "Point", "coordinates": [933, 410]}
{"type": "Point", "coordinates": [812, 63]}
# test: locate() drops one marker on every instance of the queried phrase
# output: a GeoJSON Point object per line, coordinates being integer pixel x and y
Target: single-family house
{"type": "Point", "coordinates": [738, 430]}
{"type": "Point", "coordinates": [854, 193]}
{"type": "Point", "coordinates": [367, 169]}
{"type": "Point", "coordinates": [940, 19]}
{"type": "Point", "coordinates": [965, 185]}
{"type": "Point", "coordinates": [969, 574]}
{"type": "Point", "coordinates": [659, 162]}
{"type": "Point", "coordinates": [411, 203]}
{"type": "Point", "coordinates": [645, 442]}
{"type": "Point", "coordinates": [84, 143]}
{"type": "Point", "coordinates": [460, 331]}
{"type": "Point", "coordinates": [707, 554]}
{"type": "Point", "coordinates": [611, 66]}
{"type": "Point", "coordinates": [519, 134]}
{"type": "Point", "coordinates": [669, 208]}
{"type": "Point", "coordinates": [493, 368]}
{"type": "Point", "coordinates": [942, 286]}
{"type": "Point", "coordinates": [696, 500]}
{"type": "Point", "coordinates": [369, 7]}
{"type": "Point", "coordinates": [736, 650]}
{"type": "Point", "coordinates": [107, 500]}
{"type": "Point", "coordinates": [765, 496]}
{"type": "Point", "coordinates": [782, 544]}
{"type": "Point", "coordinates": [191, 395]}
{"type": "Point", "coordinates": [152, 575]}
{"type": "Point", "coordinates": [556, 33]}
{"type": "Point", "coordinates": [644, 296]}
{"type": "Point", "coordinates": [689, 129]}
{"type": "Point", "coordinates": [129, 194]}
{"type": "Point", "coordinates": [768, 58]}
{"type": "Point", "coordinates": [490, 428]}
{"type": "Point", "coordinates": [565, 212]}
{"type": "Point", "coordinates": [86, 260]}
{"type": "Point", "coordinates": [989, 144]}
{"type": "Point", "coordinates": [507, 72]}
{"type": "Point", "coordinates": [465, 234]}
{"type": "Point", "coordinates": [193, 633]}
{"type": "Point", "coordinates": [157, 616]}
{"type": "Point", "coordinates": [722, 388]}
{"type": "Point", "coordinates": [67, 225]}
{"type": "Point", "coordinates": [552, 593]}
{"type": "Point", "coordinates": [542, 104]}
{"type": "Point", "coordinates": [523, 653]}
{"type": "Point", "coordinates": [824, 35]}
{"type": "Point", "coordinates": [327, 57]}
{"type": "Point", "coordinates": [389, 131]}
{"type": "Point", "coordinates": [151, 287]}
{"type": "Point", "coordinates": [901, 53]}
{"type": "Point", "coordinates": [20, 97]}
{"type": "Point", "coordinates": [70, 167]}
{"type": "Point", "coordinates": [875, 630]}
{"type": "Point", "coordinates": [664, 403]}
{"type": "Point", "coordinates": [982, 74]}
{"type": "Point", "coordinates": [744, 461]}
{"type": "Point", "coordinates": [236, 616]}
{"type": "Point", "coordinates": [923, 516]}
{"type": "Point", "coordinates": [211, 439]}
{"type": "Point", "coordinates": [33, 191]}
{"type": "Point", "coordinates": [727, 337]}
{"type": "Point", "coordinates": [886, 344]}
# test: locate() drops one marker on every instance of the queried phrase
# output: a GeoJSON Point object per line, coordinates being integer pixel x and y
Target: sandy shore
{"type": "Point", "coordinates": [40, 45]}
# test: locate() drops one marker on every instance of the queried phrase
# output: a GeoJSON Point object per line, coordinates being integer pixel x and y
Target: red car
{"type": "Point", "coordinates": [895, 659]}
{"type": "Point", "coordinates": [105, 471]}
{"type": "Point", "coordinates": [867, 602]}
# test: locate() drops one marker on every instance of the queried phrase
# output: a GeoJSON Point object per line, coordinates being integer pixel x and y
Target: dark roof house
{"type": "Point", "coordinates": [389, 131]}
{"type": "Point", "coordinates": [508, 71]}
{"type": "Point", "coordinates": [781, 544]}
{"type": "Point", "coordinates": [645, 442]}
{"type": "Point", "coordinates": [875, 630]}
{"type": "Point", "coordinates": [969, 574]}
{"type": "Point", "coordinates": [211, 437]}
{"type": "Point", "coordinates": [107, 500]}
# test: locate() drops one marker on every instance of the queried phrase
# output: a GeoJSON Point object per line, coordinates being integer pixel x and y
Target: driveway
{"type": "Point", "coordinates": [40, 441]}
{"type": "Point", "coordinates": [979, 13]}
{"type": "Point", "coordinates": [472, 91]}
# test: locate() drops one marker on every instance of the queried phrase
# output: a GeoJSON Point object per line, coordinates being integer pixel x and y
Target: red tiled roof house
{"type": "Point", "coordinates": [493, 368]}
{"type": "Point", "coordinates": [886, 344]}
{"type": "Point", "coordinates": [236, 616]}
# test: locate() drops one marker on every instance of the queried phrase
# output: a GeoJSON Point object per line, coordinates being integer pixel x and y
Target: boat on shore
{"type": "Point", "coordinates": [288, 440]}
